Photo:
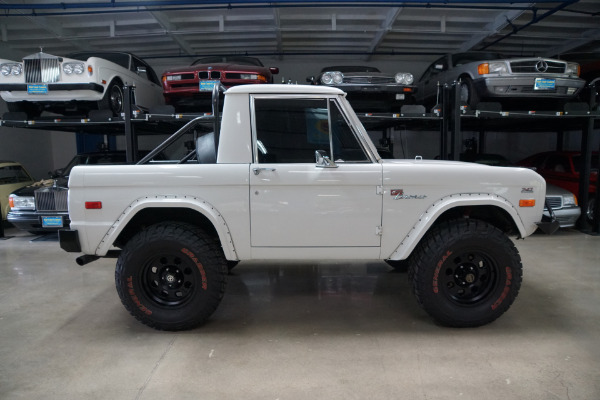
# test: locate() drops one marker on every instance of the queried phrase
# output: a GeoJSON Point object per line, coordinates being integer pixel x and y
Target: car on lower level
{"type": "Point", "coordinates": [562, 203]}
{"type": "Point", "coordinates": [41, 207]}
{"type": "Point", "coordinates": [562, 168]}
{"type": "Point", "coordinates": [515, 82]}
{"type": "Point", "coordinates": [12, 177]}
{"type": "Point", "coordinates": [368, 89]}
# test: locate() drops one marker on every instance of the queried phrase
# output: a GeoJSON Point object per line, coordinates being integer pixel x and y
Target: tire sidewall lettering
{"type": "Point", "coordinates": [436, 272]}
{"type": "Point", "coordinates": [199, 265]}
{"type": "Point", "coordinates": [506, 289]}
{"type": "Point", "coordinates": [134, 298]}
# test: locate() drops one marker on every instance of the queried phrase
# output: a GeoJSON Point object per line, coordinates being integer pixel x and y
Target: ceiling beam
{"type": "Point", "coordinates": [499, 23]}
{"type": "Point", "coordinates": [169, 27]}
{"type": "Point", "coordinates": [386, 27]}
{"type": "Point", "coordinates": [586, 37]}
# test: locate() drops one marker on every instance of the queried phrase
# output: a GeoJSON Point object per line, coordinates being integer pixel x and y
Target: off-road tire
{"type": "Point", "coordinates": [465, 273]}
{"type": "Point", "coordinates": [171, 276]}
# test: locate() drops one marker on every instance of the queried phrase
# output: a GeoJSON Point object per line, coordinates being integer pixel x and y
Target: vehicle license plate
{"type": "Point", "coordinates": [207, 86]}
{"type": "Point", "coordinates": [52, 222]}
{"type": "Point", "coordinates": [544, 84]}
{"type": "Point", "coordinates": [37, 89]}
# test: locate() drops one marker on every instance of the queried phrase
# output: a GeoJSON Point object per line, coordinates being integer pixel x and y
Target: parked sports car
{"type": "Point", "coordinates": [515, 82]}
{"type": "Point", "coordinates": [12, 177]}
{"type": "Point", "coordinates": [77, 83]}
{"type": "Point", "coordinates": [368, 88]}
{"type": "Point", "coordinates": [561, 168]}
{"type": "Point", "coordinates": [190, 88]}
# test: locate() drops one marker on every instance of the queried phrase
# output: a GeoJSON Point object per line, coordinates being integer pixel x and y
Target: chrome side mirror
{"type": "Point", "coordinates": [323, 161]}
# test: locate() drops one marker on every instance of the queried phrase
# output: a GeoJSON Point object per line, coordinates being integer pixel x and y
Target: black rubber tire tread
{"type": "Point", "coordinates": [161, 239]}
{"type": "Point", "coordinates": [105, 103]}
{"type": "Point", "coordinates": [473, 99]}
{"type": "Point", "coordinates": [433, 256]}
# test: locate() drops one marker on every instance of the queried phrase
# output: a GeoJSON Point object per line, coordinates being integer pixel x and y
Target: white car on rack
{"type": "Point", "coordinates": [77, 83]}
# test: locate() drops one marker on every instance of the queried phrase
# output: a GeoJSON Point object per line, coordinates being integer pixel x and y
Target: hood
{"type": "Point", "coordinates": [61, 183]}
{"type": "Point", "coordinates": [229, 67]}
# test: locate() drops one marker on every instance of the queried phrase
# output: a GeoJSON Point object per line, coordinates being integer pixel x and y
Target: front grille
{"type": "Point", "coordinates": [554, 202]}
{"type": "Point", "coordinates": [51, 199]}
{"type": "Point", "coordinates": [209, 74]}
{"type": "Point", "coordinates": [41, 68]}
{"type": "Point", "coordinates": [367, 80]}
{"type": "Point", "coordinates": [529, 66]}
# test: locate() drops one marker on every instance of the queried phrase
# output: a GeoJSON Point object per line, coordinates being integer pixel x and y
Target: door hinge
{"type": "Point", "coordinates": [378, 230]}
{"type": "Point", "coordinates": [379, 190]}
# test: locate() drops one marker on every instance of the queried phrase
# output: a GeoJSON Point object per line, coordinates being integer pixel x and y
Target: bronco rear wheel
{"type": "Point", "coordinates": [465, 273]}
{"type": "Point", "coordinates": [171, 276]}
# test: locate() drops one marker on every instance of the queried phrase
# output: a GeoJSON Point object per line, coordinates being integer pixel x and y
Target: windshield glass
{"type": "Point", "coordinates": [232, 60]}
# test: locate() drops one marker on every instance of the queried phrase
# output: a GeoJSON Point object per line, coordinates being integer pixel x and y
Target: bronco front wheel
{"type": "Point", "coordinates": [171, 276]}
{"type": "Point", "coordinates": [465, 273]}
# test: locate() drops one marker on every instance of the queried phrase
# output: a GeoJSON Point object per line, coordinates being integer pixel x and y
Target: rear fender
{"type": "Point", "coordinates": [169, 201]}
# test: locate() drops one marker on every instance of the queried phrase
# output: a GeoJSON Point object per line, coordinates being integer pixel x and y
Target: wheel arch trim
{"type": "Point", "coordinates": [171, 201]}
{"type": "Point", "coordinates": [436, 209]}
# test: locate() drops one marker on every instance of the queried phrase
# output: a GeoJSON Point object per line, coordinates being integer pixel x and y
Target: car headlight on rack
{"type": "Point", "coordinates": [21, 202]}
{"type": "Point", "coordinates": [73, 68]}
{"type": "Point", "coordinates": [7, 69]}
{"type": "Point", "coordinates": [572, 69]}
{"type": "Point", "coordinates": [569, 200]}
{"type": "Point", "coordinates": [404, 78]}
{"type": "Point", "coordinates": [332, 78]}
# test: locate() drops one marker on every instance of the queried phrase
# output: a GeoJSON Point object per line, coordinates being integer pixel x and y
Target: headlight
{"type": "Point", "coordinates": [173, 77]}
{"type": "Point", "coordinates": [73, 68]}
{"type": "Point", "coordinates": [11, 69]}
{"type": "Point", "coordinates": [332, 78]}
{"type": "Point", "coordinates": [21, 202]}
{"type": "Point", "coordinates": [572, 69]}
{"type": "Point", "coordinates": [497, 68]}
{"type": "Point", "coordinates": [404, 78]}
{"type": "Point", "coordinates": [569, 201]}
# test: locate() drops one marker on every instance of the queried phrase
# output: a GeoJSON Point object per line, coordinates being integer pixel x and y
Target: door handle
{"type": "Point", "coordinates": [257, 170]}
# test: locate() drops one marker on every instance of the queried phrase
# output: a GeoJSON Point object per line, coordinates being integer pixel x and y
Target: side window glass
{"type": "Point", "coordinates": [346, 147]}
{"type": "Point", "coordinates": [292, 130]}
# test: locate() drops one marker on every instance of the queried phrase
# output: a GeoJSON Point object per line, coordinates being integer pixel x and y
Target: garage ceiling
{"type": "Point", "coordinates": [369, 30]}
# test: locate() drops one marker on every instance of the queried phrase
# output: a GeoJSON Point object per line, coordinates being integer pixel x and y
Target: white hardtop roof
{"type": "Point", "coordinates": [283, 89]}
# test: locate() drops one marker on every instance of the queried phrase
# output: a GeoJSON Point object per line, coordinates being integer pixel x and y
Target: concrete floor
{"type": "Point", "coordinates": [312, 331]}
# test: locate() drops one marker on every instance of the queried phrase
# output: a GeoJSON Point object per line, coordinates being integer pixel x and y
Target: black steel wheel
{"type": "Point", "coordinates": [465, 273]}
{"type": "Point", "coordinates": [171, 276]}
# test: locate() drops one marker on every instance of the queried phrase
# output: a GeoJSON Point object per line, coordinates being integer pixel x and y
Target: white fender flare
{"type": "Point", "coordinates": [171, 201]}
{"type": "Point", "coordinates": [428, 218]}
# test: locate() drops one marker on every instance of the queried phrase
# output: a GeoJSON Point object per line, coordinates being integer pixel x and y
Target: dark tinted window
{"type": "Point", "coordinates": [232, 60]}
{"type": "Point", "coordinates": [13, 174]}
{"type": "Point", "coordinates": [347, 68]}
{"type": "Point", "coordinates": [291, 130]}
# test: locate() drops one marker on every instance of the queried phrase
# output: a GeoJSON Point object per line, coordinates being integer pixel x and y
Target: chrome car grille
{"type": "Point", "coordinates": [554, 202]}
{"type": "Point", "coordinates": [51, 199]}
{"type": "Point", "coordinates": [367, 79]}
{"type": "Point", "coordinates": [41, 70]}
{"type": "Point", "coordinates": [538, 66]}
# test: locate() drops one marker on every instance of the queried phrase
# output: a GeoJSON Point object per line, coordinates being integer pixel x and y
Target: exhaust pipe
{"type": "Point", "coordinates": [86, 259]}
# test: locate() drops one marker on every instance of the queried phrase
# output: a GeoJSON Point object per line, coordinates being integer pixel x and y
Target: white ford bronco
{"type": "Point", "coordinates": [291, 174]}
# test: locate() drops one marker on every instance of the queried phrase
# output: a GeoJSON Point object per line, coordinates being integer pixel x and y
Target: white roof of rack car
{"type": "Point", "coordinates": [284, 89]}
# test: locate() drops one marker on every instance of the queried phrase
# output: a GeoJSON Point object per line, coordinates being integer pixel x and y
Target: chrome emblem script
{"type": "Point", "coordinates": [398, 194]}
{"type": "Point", "coordinates": [541, 66]}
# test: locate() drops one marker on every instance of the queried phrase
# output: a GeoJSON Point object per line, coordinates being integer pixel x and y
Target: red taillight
{"type": "Point", "coordinates": [93, 205]}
